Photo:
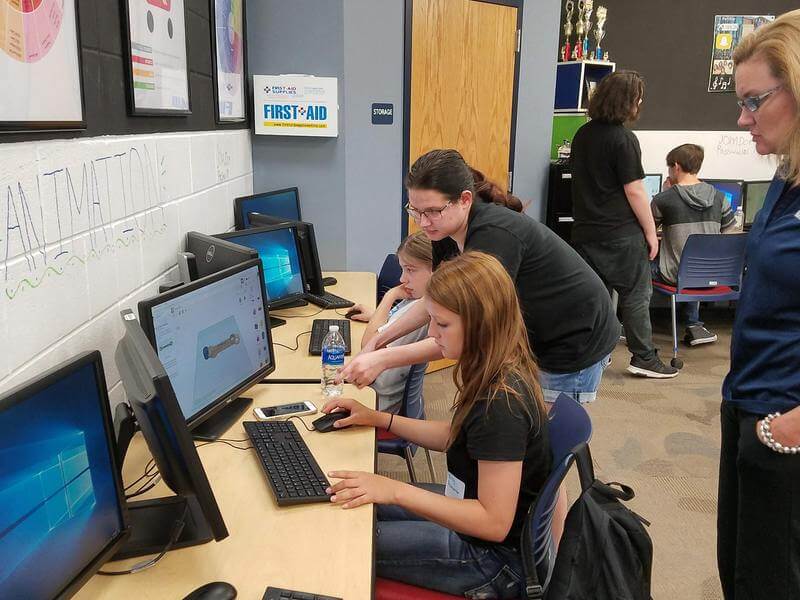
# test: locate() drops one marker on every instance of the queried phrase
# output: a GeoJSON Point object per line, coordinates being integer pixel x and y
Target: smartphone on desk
{"type": "Point", "coordinates": [284, 411]}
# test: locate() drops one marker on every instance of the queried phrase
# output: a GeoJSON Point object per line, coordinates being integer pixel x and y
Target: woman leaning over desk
{"type": "Point", "coordinates": [465, 542]}
{"type": "Point", "coordinates": [758, 524]}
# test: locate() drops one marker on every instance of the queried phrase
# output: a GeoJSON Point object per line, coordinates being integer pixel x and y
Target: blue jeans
{"type": "Point", "coordinates": [422, 553]}
{"type": "Point", "coordinates": [581, 385]}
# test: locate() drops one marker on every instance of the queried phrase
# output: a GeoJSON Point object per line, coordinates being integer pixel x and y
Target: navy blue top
{"type": "Point", "coordinates": [765, 348]}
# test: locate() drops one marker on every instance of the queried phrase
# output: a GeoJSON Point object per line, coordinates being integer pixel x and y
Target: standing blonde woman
{"type": "Point", "coordinates": [758, 526]}
{"type": "Point", "coordinates": [465, 542]}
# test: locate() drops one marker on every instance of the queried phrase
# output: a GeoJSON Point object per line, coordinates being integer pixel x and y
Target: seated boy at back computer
{"type": "Point", "coordinates": [687, 206]}
{"type": "Point", "coordinates": [415, 256]}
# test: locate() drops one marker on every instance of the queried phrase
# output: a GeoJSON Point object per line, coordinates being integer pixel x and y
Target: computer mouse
{"type": "Point", "coordinates": [325, 423]}
{"type": "Point", "coordinates": [326, 281]}
{"type": "Point", "coordinates": [216, 590]}
{"type": "Point", "coordinates": [352, 312]}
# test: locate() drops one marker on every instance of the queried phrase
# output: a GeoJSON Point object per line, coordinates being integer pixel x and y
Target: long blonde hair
{"type": "Point", "coordinates": [477, 288]}
{"type": "Point", "coordinates": [417, 246]}
{"type": "Point", "coordinates": [778, 43]}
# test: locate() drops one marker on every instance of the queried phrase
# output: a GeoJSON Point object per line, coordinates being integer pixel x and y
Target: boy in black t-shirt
{"type": "Point", "coordinates": [614, 229]}
{"type": "Point", "coordinates": [464, 540]}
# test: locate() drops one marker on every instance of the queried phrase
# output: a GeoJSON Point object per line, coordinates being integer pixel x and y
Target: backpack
{"type": "Point", "coordinates": [605, 552]}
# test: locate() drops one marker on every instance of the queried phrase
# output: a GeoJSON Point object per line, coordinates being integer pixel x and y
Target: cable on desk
{"type": "Point", "coordinates": [296, 342]}
{"type": "Point", "coordinates": [227, 443]}
{"type": "Point", "coordinates": [275, 314]}
{"type": "Point", "coordinates": [302, 421]}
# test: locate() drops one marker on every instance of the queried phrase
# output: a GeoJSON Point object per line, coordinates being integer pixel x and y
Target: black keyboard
{"type": "Point", "coordinates": [273, 593]}
{"type": "Point", "coordinates": [328, 300]}
{"type": "Point", "coordinates": [319, 330]}
{"type": "Point", "coordinates": [292, 471]}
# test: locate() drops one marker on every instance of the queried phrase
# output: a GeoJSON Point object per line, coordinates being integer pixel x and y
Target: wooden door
{"type": "Point", "coordinates": [463, 62]}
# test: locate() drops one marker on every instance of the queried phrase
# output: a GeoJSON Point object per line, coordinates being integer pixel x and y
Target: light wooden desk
{"type": "Point", "coordinates": [319, 548]}
{"type": "Point", "coordinates": [299, 364]}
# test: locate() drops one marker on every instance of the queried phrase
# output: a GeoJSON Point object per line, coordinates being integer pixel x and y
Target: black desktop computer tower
{"type": "Point", "coordinates": [559, 200]}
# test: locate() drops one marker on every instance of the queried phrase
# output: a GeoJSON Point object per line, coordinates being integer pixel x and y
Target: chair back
{"type": "Point", "coordinates": [569, 429]}
{"type": "Point", "coordinates": [709, 260]}
{"type": "Point", "coordinates": [413, 406]}
{"type": "Point", "coordinates": [389, 276]}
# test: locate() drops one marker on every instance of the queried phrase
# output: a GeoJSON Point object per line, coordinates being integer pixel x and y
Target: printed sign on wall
{"type": "Point", "coordinates": [299, 105]}
{"type": "Point", "coordinates": [729, 30]}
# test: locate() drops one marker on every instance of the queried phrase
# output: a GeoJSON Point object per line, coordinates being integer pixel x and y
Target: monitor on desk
{"type": "Point", "coordinates": [279, 203]}
{"type": "Point", "coordinates": [278, 248]}
{"type": "Point", "coordinates": [61, 494]}
{"type": "Point", "coordinates": [652, 184]}
{"type": "Point", "coordinates": [211, 336]}
{"type": "Point", "coordinates": [211, 255]}
{"type": "Point", "coordinates": [192, 516]}
{"type": "Point", "coordinates": [730, 188]}
{"type": "Point", "coordinates": [755, 192]}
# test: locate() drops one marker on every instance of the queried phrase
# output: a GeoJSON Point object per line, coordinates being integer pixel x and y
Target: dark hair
{"type": "Point", "coordinates": [445, 171]}
{"type": "Point", "coordinates": [616, 98]}
{"type": "Point", "coordinates": [688, 156]}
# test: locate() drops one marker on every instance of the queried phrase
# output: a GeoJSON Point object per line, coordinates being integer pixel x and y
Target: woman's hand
{"type": "Point", "coordinates": [363, 369]}
{"type": "Point", "coordinates": [785, 428]}
{"type": "Point", "coordinates": [357, 488]}
{"type": "Point", "coordinates": [359, 414]}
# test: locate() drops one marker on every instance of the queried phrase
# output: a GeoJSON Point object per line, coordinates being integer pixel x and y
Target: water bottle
{"type": "Point", "coordinates": [332, 361]}
{"type": "Point", "coordinates": [738, 219]}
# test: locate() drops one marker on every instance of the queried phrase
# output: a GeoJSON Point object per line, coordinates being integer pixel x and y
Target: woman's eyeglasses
{"type": "Point", "coordinates": [433, 214]}
{"type": "Point", "coordinates": [753, 103]}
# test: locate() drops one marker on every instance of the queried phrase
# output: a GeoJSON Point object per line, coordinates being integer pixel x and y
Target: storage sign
{"type": "Point", "coordinates": [297, 105]}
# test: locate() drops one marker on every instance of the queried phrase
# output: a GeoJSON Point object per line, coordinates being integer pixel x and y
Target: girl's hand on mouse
{"type": "Point", "coordinates": [357, 488]}
{"type": "Point", "coordinates": [359, 414]}
{"type": "Point", "coordinates": [360, 313]}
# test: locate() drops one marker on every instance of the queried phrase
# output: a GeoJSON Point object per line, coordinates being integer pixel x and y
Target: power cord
{"type": "Point", "coordinates": [177, 529]}
{"type": "Point", "coordinates": [296, 342]}
{"type": "Point", "coordinates": [302, 421]}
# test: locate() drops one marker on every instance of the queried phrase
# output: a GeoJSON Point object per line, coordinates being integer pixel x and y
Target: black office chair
{"type": "Point", "coordinates": [389, 276]}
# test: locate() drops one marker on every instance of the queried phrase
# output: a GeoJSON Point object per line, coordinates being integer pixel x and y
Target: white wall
{"type": "Point", "coordinates": [91, 226]}
{"type": "Point", "coordinates": [728, 154]}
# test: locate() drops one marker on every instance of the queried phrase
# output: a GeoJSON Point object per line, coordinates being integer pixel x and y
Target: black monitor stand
{"type": "Point", "coordinates": [276, 322]}
{"type": "Point", "coordinates": [222, 420]}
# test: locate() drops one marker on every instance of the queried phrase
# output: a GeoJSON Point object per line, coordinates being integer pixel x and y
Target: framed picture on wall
{"type": "Point", "coordinates": [40, 52]}
{"type": "Point", "coordinates": [230, 73]}
{"type": "Point", "coordinates": [158, 75]}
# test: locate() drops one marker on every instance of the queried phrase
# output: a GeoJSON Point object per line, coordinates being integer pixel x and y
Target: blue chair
{"type": "Point", "coordinates": [413, 407]}
{"type": "Point", "coordinates": [389, 276]}
{"type": "Point", "coordinates": [711, 270]}
{"type": "Point", "coordinates": [570, 429]}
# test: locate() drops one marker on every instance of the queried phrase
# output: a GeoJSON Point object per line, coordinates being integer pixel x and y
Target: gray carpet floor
{"type": "Point", "coordinates": [661, 437]}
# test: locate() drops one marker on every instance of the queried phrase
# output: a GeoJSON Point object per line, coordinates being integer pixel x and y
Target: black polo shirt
{"type": "Point", "coordinates": [604, 158]}
{"type": "Point", "coordinates": [566, 307]}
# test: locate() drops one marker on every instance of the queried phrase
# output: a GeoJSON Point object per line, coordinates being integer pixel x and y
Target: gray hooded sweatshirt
{"type": "Point", "coordinates": [683, 210]}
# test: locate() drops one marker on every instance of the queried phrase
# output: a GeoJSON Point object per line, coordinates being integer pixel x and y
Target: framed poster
{"type": "Point", "coordinates": [158, 76]}
{"type": "Point", "coordinates": [40, 53]}
{"type": "Point", "coordinates": [228, 45]}
{"type": "Point", "coordinates": [728, 32]}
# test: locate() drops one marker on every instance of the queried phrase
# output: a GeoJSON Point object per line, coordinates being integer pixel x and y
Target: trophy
{"type": "Point", "coordinates": [587, 26]}
{"type": "Point", "coordinates": [577, 51]}
{"type": "Point", "coordinates": [565, 54]}
{"type": "Point", "coordinates": [599, 32]}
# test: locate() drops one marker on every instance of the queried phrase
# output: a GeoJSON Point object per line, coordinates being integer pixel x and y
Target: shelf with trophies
{"type": "Point", "coordinates": [581, 67]}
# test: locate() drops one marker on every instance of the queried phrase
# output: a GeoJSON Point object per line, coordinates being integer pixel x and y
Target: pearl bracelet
{"type": "Point", "coordinates": [765, 436]}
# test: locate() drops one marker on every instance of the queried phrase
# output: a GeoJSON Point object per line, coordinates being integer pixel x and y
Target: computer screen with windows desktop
{"type": "Point", "coordinates": [730, 188]}
{"type": "Point", "coordinates": [61, 496]}
{"type": "Point", "coordinates": [755, 192]}
{"type": "Point", "coordinates": [652, 184]}
{"type": "Point", "coordinates": [279, 203]}
{"type": "Point", "coordinates": [212, 339]}
{"type": "Point", "coordinates": [278, 249]}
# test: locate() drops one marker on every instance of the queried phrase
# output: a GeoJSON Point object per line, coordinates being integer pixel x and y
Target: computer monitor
{"type": "Point", "coordinates": [280, 203]}
{"type": "Point", "coordinates": [755, 192]}
{"type": "Point", "coordinates": [211, 255]}
{"type": "Point", "coordinates": [278, 247]}
{"type": "Point", "coordinates": [730, 188]}
{"type": "Point", "coordinates": [652, 184]}
{"type": "Point", "coordinates": [258, 219]}
{"type": "Point", "coordinates": [211, 337]}
{"type": "Point", "coordinates": [315, 282]}
{"type": "Point", "coordinates": [61, 496]}
{"type": "Point", "coordinates": [149, 392]}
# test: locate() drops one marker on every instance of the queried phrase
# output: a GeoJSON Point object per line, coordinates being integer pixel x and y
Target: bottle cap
{"type": "Point", "coordinates": [333, 328]}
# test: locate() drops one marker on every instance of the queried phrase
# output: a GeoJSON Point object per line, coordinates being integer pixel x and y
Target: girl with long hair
{"type": "Point", "coordinates": [466, 540]}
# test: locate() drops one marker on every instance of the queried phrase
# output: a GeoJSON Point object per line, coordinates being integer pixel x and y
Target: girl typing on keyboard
{"type": "Point", "coordinates": [463, 539]}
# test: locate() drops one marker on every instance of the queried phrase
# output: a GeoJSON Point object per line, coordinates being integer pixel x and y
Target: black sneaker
{"type": "Point", "coordinates": [653, 368]}
{"type": "Point", "coordinates": [697, 334]}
